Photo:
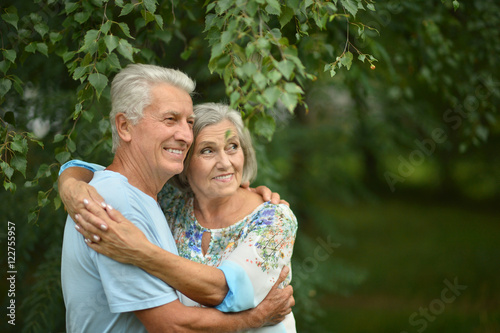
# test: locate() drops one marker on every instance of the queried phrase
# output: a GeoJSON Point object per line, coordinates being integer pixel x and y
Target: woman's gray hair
{"type": "Point", "coordinates": [131, 88]}
{"type": "Point", "coordinates": [210, 114]}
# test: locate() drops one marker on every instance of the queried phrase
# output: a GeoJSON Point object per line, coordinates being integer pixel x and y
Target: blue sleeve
{"type": "Point", "coordinates": [240, 296]}
{"type": "Point", "coordinates": [81, 164]}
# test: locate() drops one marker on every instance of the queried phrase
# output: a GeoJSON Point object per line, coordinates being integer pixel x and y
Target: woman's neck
{"type": "Point", "coordinates": [215, 213]}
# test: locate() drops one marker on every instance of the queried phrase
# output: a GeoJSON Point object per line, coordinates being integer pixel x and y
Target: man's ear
{"type": "Point", "coordinates": [123, 127]}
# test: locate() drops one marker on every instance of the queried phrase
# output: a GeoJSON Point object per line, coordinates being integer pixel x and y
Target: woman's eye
{"type": "Point", "coordinates": [233, 146]}
{"type": "Point", "coordinates": [206, 151]}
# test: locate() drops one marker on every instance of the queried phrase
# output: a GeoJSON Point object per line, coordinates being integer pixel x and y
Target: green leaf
{"type": "Point", "coordinates": [286, 16]}
{"type": "Point", "coordinates": [41, 28]}
{"type": "Point", "coordinates": [9, 186]}
{"type": "Point", "coordinates": [58, 138]}
{"type": "Point", "coordinates": [351, 6]}
{"type": "Point", "coordinates": [289, 100]}
{"type": "Point", "coordinates": [7, 169]}
{"type": "Point", "coordinates": [125, 29]}
{"type": "Point", "coordinates": [292, 88]}
{"type": "Point", "coordinates": [260, 80]}
{"type": "Point", "coordinates": [111, 42]}
{"type": "Point", "coordinates": [55, 37]}
{"type": "Point", "coordinates": [82, 17]}
{"type": "Point", "coordinates": [150, 5]}
{"type": "Point", "coordinates": [71, 145]}
{"type": "Point", "coordinates": [127, 9]}
{"type": "Point", "coordinates": [456, 4]}
{"type": "Point", "coordinates": [271, 95]}
{"type": "Point", "coordinates": [125, 49]}
{"type": "Point", "coordinates": [371, 7]}
{"type": "Point", "coordinates": [42, 199]}
{"type": "Point", "coordinates": [273, 7]}
{"type": "Point", "coordinates": [99, 82]}
{"type": "Point", "coordinates": [63, 157]}
{"type": "Point", "coordinates": [235, 96]}
{"type": "Point", "coordinates": [19, 144]}
{"type": "Point", "coordinates": [4, 66]}
{"type": "Point", "coordinates": [159, 21]}
{"type": "Point", "coordinates": [43, 171]}
{"type": "Point", "coordinates": [70, 7]}
{"type": "Point", "coordinates": [249, 69]}
{"type": "Point", "coordinates": [57, 202]}
{"type": "Point", "coordinates": [285, 67]}
{"type": "Point", "coordinates": [226, 37]}
{"type": "Point", "coordinates": [43, 48]}
{"type": "Point", "coordinates": [187, 53]}
{"type": "Point", "coordinates": [31, 47]}
{"type": "Point", "coordinates": [80, 71]}
{"type": "Point", "coordinates": [112, 61]}
{"type": "Point", "coordinates": [346, 60]}
{"type": "Point", "coordinates": [67, 56]}
{"type": "Point", "coordinates": [11, 18]}
{"type": "Point", "coordinates": [105, 27]}
{"type": "Point", "coordinates": [10, 55]}
{"type": "Point", "coordinates": [90, 41]}
{"type": "Point", "coordinates": [19, 163]}
{"type": "Point", "coordinates": [5, 85]}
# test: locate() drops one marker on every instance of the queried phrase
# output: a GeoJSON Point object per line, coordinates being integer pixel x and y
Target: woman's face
{"type": "Point", "coordinates": [216, 165]}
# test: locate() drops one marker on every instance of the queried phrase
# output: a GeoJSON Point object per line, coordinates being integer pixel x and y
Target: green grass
{"type": "Point", "coordinates": [409, 249]}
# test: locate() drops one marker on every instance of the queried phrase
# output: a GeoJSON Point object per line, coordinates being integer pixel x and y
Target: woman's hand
{"type": "Point", "coordinates": [121, 240]}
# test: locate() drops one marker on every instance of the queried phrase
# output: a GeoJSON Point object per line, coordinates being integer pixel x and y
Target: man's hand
{"type": "Point", "coordinates": [266, 193]}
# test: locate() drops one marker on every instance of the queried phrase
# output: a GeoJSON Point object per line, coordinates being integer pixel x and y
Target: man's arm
{"type": "Point", "coordinates": [174, 316]}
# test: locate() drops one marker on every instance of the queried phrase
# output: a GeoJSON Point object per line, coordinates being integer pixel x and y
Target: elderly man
{"type": "Point", "coordinates": [152, 118]}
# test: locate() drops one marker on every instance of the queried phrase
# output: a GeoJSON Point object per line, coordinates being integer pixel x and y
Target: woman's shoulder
{"type": "Point", "coordinates": [276, 213]}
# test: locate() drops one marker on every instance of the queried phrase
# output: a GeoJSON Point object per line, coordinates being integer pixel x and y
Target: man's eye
{"type": "Point", "coordinates": [206, 151]}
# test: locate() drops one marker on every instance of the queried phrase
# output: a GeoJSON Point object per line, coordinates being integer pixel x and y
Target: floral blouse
{"type": "Point", "coordinates": [261, 243]}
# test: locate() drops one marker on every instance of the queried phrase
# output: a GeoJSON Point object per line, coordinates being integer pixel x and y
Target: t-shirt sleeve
{"type": "Point", "coordinates": [267, 247]}
{"type": "Point", "coordinates": [129, 288]}
{"type": "Point", "coordinates": [81, 164]}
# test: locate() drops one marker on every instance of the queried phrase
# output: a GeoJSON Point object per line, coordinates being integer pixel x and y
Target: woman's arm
{"type": "Point", "coordinates": [73, 189]}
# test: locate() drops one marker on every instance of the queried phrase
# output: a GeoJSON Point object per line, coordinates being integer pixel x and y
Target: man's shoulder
{"type": "Point", "coordinates": [117, 191]}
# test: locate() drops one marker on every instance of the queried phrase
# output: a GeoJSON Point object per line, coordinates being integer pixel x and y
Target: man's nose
{"type": "Point", "coordinates": [184, 133]}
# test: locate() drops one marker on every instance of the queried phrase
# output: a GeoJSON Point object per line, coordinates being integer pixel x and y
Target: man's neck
{"type": "Point", "coordinates": [138, 175]}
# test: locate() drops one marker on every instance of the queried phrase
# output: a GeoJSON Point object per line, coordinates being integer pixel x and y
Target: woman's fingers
{"type": "Point", "coordinates": [99, 211]}
{"type": "Point", "coordinates": [85, 225]}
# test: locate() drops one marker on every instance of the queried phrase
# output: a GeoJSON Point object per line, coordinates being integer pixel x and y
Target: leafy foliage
{"type": "Point", "coordinates": [274, 61]}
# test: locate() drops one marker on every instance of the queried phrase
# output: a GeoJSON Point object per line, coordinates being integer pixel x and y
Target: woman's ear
{"type": "Point", "coordinates": [123, 127]}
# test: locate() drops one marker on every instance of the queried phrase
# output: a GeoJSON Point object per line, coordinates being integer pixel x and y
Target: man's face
{"type": "Point", "coordinates": [163, 136]}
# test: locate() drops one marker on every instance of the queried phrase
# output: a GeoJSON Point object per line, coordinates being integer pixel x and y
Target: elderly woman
{"type": "Point", "coordinates": [211, 216]}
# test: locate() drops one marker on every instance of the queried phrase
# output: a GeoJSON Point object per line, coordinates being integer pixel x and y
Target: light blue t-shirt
{"type": "Point", "coordinates": [101, 294]}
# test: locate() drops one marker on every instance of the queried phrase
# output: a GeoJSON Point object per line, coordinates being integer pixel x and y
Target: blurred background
{"type": "Point", "coordinates": [392, 172]}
